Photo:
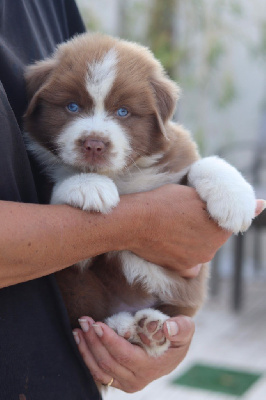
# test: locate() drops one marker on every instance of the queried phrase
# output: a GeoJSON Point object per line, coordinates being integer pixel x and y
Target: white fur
{"type": "Point", "coordinates": [100, 78]}
{"type": "Point", "coordinates": [89, 192]}
{"type": "Point", "coordinates": [125, 323]}
{"type": "Point", "coordinates": [148, 161]}
{"type": "Point", "coordinates": [122, 322]}
{"type": "Point", "coordinates": [152, 277]}
{"type": "Point", "coordinates": [107, 129]}
{"type": "Point", "coordinates": [52, 165]}
{"type": "Point", "coordinates": [46, 159]}
{"type": "Point", "coordinates": [230, 199]}
{"type": "Point", "coordinates": [136, 180]}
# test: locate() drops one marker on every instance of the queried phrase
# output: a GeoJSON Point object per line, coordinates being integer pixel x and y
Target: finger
{"type": "Point", "coordinates": [191, 272]}
{"type": "Point", "coordinates": [125, 353]}
{"type": "Point", "coordinates": [179, 330]}
{"type": "Point", "coordinates": [103, 358]}
{"type": "Point", "coordinates": [261, 205]}
{"type": "Point", "coordinates": [132, 361]}
{"type": "Point", "coordinates": [97, 373]}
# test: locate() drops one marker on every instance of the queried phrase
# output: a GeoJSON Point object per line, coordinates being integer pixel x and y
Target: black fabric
{"type": "Point", "coordinates": [39, 359]}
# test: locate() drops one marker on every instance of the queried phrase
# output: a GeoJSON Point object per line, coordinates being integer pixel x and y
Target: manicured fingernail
{"type": "Point", "coordinates": [261, 205]}
{"type": "Point", "coordinates": [84, 324]}
{"type": "Point", "coordinates": [197, 268]}
{"type": "Point", "coordinates": [98, 330]}
{"type": "Point", "coordinates": [172, 328]}
{"type": "Point", "coordinates": [76, 337]}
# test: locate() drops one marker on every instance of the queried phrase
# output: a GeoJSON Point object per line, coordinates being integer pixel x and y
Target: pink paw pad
{"type": "Point", "coordinates": [151, 332]}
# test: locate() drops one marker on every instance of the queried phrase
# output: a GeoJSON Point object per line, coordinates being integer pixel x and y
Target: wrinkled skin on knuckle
{"type": "Point", "coordinates": [104, 366]}
{"type": "Point", "coordinates": [139, 380]}
{"type": "Point", "coordinates": [97, 376]}
{"type": "Point", "coordinates": [123, 359]}
{"type": "Point", "coordinates": [135, 386]}
{"type": "Point", "coordinates": [186, 264]}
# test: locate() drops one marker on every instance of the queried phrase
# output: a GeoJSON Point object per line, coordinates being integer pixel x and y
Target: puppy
{"type": "Point", "coordinates": [99, 122]}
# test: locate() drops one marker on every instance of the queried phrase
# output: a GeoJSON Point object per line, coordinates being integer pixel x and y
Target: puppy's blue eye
{"type": "Point", "coordinates": [73, 107]}
{"type": "Point", "coordinates": [122, 112]}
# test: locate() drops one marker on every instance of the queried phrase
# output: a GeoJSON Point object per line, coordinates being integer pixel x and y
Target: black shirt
{"type": "Point", "coordinates": [39, 359]}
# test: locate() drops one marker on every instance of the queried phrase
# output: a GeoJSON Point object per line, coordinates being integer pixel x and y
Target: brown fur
{"type": "Point", "coordinates": [142, 87]}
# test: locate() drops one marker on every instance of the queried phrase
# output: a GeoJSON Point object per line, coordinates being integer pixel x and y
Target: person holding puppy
{"type": "Point", "coordinates": [40, 358]}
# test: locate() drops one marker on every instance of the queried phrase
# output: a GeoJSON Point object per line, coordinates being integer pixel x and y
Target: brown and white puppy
{"type": "Point", "coordinates": [99, 122]}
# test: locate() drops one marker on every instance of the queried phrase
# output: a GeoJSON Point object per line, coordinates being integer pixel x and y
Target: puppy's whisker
{"type": "Point", "coordinates": [134, 163]}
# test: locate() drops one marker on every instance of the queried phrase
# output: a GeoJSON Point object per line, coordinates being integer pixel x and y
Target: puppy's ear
{"type": "Point", "coordinates": [166, 94]}
{"type": "Point", "coordinates": [36, 76]}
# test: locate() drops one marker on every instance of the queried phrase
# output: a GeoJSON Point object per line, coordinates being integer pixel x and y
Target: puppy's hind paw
{"type": "Point", "coordinates": [145, 328]}
{"type": "Point", "coordinates": [149, 331]}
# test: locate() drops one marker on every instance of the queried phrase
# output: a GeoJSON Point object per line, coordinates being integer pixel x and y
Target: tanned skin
{"type": "Point", "coordinates": [37, 240]}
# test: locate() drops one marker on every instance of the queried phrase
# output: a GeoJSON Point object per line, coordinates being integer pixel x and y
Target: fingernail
{"type": "Point", "coordinates": [197, 268]}
{"type": "Point", "coordinates": [261, 205]}
{"type": "Point", "coordinates": [98, 330]}
{"type": "Point", "coordinates": [84, 324]}
{"type": "Point", "coordinates": [76, 337]}
{"type": "Point", "coordinates": [172, 328]}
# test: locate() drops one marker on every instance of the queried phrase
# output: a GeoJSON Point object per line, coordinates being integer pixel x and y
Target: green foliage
{"type": "Point", "coordinates": [260, 48]}
{"type": "Point", "coordinates": [228, 91]}
{"type": "Point", "coordinates": [236, 8]}
{"type": "Point", "coordinates": [215, 52]}
{"type": "Point", "coordinates": [160, 33]}
{"type": "Point", "coordinates": [92, 23]}
{"type": "Point", "coordinates": [199, 136]}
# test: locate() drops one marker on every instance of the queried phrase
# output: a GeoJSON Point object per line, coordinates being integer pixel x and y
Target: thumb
{"type": "Point", "coordinates": [179, 330]}
{"type": "Point", "coordinates": [261, 205]}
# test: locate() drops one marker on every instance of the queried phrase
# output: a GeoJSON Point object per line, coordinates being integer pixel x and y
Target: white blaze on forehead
{"type": "Point", "coordinates": [100, 78]}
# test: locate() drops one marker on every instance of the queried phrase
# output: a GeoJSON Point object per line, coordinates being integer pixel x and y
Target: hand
{"type": "Point", "coordinates": [193, 272]}
{"type": "Point", "coordinates": [176, 231]}
{"type": "Point", "coordinates": [108, 355]}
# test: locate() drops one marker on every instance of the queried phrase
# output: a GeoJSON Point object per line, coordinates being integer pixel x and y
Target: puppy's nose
{"type": "Point", "coordinates": [94, 146]}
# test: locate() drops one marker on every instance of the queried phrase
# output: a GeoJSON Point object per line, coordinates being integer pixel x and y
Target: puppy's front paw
{"type": "Point", "coordinates": [89, 192]}
{"type": "Point", "coordinates": [230, 198]}
{"type": "Point", "coordinates": [145, 328]}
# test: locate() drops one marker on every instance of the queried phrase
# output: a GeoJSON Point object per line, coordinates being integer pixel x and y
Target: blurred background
{"type": "Point", "coordinates": [216, 51]}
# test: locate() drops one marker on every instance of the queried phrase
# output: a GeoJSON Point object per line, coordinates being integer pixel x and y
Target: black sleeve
{"type": "Point", "coordinates": [16, 181]}
{"type": "Point", "coordinates": [74, 19]}
{"type": "Point", "coordinates": [39, 358]}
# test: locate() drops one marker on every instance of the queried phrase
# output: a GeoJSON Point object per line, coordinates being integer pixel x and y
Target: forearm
{"type": "Point", "coordinates": [36, 240]}
{"type": "Point", "coordinates": [168, 226]}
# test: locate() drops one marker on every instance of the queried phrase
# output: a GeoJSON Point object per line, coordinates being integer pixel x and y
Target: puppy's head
{"type": "Point", "coordinates": [99, 104]}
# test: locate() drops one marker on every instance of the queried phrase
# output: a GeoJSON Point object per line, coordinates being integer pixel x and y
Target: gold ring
{"type": "Point", "coordinates": [110, 383]}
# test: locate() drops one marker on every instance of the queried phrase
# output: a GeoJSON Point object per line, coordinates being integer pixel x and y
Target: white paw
{"type": "Point", "coordinates": [230, 198]}
{"type": "Point", "coordinates": [145, 328]}
{"type": "Point", "coordinates": [89, 192]}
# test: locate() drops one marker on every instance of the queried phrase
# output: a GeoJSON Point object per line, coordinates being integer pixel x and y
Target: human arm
{"type": "Point", "coordinates": [168, 226]}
